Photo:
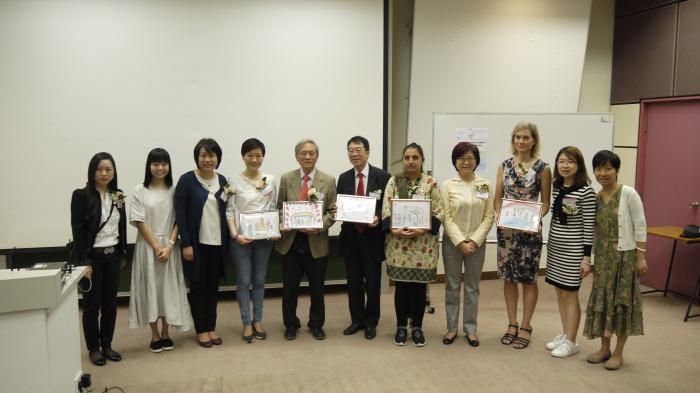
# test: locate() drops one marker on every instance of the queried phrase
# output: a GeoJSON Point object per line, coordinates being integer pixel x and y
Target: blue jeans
{"type": "Point", "coordinates": [251, 268]}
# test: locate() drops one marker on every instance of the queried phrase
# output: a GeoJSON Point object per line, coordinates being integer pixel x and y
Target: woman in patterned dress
{"type": "Point", "coordinates": [615, 304]}
{"type": "Point", "coordinates": [411, 254]}
{"type": "Point", "coordinates": [524, 177]}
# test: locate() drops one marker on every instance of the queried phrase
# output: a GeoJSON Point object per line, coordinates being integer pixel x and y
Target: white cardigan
{"type": "Point", "coordinates": [632, 225]}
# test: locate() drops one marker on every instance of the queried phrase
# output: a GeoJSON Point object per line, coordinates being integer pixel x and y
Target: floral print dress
{"type": "Point", "coordinates": [519, 252]}
{"type": "Point", "coordinates": [615, 304]}
{"type": "Point", "coordinates": [414, 259]}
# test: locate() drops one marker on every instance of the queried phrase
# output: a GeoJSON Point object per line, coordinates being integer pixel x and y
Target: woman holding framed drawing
{"type": "Point", "coordinates": [522, 177]}
{"type": "Point", "coordinates": [468, 202]}
{"type": "Point", "coordinates": [250, 191]}
{"type": "Point", "coordinates": [411, 212]}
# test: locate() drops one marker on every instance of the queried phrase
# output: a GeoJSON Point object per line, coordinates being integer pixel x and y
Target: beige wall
{"type": "Point", "coordinates": [401, 18]}
{"type": "Point", "coordinates": [625, 140]}
{"type": "Point", "coordinates": [597, 65]}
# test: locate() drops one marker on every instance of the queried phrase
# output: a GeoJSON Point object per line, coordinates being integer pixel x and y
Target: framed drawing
{"type": "Point", "coordinates": [302, 215]}
{"type": "Point", "coordinates": [520, 215]}
{"type": "Point", "coordinates": [352, 208]}
{"type": "Point", "coordinates": [259, 225]}
{"type": "Point", "coordinates": [411, 213]}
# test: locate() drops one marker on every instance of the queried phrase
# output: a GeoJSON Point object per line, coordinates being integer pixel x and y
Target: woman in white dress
{"type": "Point", "coordinates": [158, 290]}
{"type": "Point", "coordinates": [250, 191]}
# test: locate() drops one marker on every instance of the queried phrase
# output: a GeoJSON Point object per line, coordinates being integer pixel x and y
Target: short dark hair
{"type": "Point", "coordinates": [158, 155]}
{"type": "Point", "coordinates": [581, 179]}
{"type": "Point", "coordinates": [606, 156]}
{"type": "Point", "coordinates": [210, 146]}
{"type": "Point", "coordinates": [359, 139]}
{"type": "Point", "coordinates": [252, 144]}
{"type": "Point", "coordinates": [463, 148]}
{"type": "Point", "coordinates": [414, 145]}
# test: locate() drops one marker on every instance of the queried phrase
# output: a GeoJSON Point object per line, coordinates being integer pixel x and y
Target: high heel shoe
{"type": "Point", "coordinates": [259, 334]}
{"type": "Point", "coordinates": [248, 338]}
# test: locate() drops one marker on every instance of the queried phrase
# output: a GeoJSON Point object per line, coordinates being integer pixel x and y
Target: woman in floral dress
{"type": "Point", "coordinates": [615, 304]}
{"type": "Point", "coordinates": [524, 177]}
{"type": "Point", "coordinates": [411, 254]}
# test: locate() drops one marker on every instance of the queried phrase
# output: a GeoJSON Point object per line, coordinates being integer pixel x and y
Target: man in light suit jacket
{"type": "Point", "coordinates": [305, 251]}
{"type": "Point", "coordinates": [362, 245]}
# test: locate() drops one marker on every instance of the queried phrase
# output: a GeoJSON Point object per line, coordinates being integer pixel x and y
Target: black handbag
{"type": "Point", "coordinates": [691, 231]}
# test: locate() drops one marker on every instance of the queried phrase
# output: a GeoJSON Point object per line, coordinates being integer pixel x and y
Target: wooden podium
{"type": "Point", "coordinates": [40, 331]}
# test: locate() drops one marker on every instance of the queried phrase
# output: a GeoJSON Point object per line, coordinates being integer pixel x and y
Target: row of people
{"type": "Point", "coordinates": [202, 213]}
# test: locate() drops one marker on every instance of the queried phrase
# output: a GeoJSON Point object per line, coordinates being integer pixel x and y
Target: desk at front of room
{"type": "Point", "coordinates": [672, 232]}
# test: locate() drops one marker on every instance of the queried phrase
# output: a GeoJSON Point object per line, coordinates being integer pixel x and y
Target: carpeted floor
{"type": "Point", "coordinates": [663, 360]}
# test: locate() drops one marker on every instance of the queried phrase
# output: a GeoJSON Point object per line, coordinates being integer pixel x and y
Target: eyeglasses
{"type": "Point", "coordinates": [471, 159]}
{"type": "Point", "coordinates": [356, 150]}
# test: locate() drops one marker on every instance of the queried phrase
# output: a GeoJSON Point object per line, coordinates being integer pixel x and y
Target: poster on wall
{"type": "Point", "coordinates": [478, 137]}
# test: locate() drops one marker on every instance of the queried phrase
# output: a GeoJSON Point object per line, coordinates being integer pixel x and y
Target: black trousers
{"type": "Point", "coordinates": [364, 279]}
{"type": "Point", "coordinates": [204, 291]}
{"type": "Point", "coordinates": [297, 262]}
{"type": "Point", "coordinates": [100, 303]}
{"type": "Point", "coordinates": [409, 301]}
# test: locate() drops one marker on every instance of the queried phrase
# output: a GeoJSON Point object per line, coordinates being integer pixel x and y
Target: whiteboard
{"type": "Point", "coordinates": [590, 132]}
{"type": "Point", "coordinates": [79, 77]}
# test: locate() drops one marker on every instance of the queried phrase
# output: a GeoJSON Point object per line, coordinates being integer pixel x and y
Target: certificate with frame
{"type": "Point", "coordinates": [259, 225]}
{"type": "Point", "coordinates": [354, 208]}
{"type": "Point", "coordinates": [411, 213]}
{"type": "Point", "coordinates": [520, 215]}
{"type": "Point", "coordinates": [302, 215]}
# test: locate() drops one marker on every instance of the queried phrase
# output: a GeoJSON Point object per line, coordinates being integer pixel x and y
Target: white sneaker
{"type": "Point", "coordinates": [566, 349]}
{"type": "Point", "coordinates": [556, 342]}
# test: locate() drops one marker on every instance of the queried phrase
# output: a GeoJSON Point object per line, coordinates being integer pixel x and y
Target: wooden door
{"type": "Point", "coordinates": [668, 178]}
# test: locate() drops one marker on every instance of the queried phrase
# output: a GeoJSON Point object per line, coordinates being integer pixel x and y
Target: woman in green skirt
{"type": "Point", "coordinates": [615, 304]}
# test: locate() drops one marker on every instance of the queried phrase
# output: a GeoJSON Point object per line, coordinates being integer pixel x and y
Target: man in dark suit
{"type": "Point", "coordinates": [362, 245]}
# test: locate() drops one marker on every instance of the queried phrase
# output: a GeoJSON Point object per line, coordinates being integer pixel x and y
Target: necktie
{"type": "Point", "coordinates": [360, 228]}
{"type": "Point", "coordinates": [304, 193]}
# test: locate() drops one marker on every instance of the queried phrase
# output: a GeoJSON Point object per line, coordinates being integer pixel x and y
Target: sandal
{"type": "Point", "coordinates": [520, 342]}
{"type": "Point", "coordinates": [509, 337]}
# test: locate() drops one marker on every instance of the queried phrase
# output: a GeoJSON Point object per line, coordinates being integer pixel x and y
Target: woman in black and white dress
{"type": "Point", "coordinates": [570, 242]}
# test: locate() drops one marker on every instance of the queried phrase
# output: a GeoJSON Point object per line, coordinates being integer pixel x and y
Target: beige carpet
{"type": "Point", "coordinates": [666, 359]}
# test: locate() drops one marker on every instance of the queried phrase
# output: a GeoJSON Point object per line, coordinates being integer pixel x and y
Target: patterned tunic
{"type": "Point", "coordinates": [615, 304]}
{"type": "Point", "coordinates": [519, 252]}
{"type": "Point", "coordinates": [414, 259]}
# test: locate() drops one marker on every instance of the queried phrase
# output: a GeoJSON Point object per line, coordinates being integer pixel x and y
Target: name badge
{"type": "Point", "coordinates": [376, 195]}
{"type": "Point", "coordinates": [530, 174]}
{"type": "Point", "coordinates": [482, 195]}
{"type": "Point", "coordinates": [418, 196]}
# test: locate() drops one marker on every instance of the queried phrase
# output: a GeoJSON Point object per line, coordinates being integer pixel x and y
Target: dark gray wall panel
{"type": "Point", "coordinates": [626, 7]}
{"type": "Point", "coordinates": [643, 55]}
{"type": "Point", "coordinates": [688, 50]}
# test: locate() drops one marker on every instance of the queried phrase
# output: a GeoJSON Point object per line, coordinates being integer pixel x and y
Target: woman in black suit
{"type": "Point", "coordinates": [98, 221]}
{"type": "Point", "coordinates": [200, 213]}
